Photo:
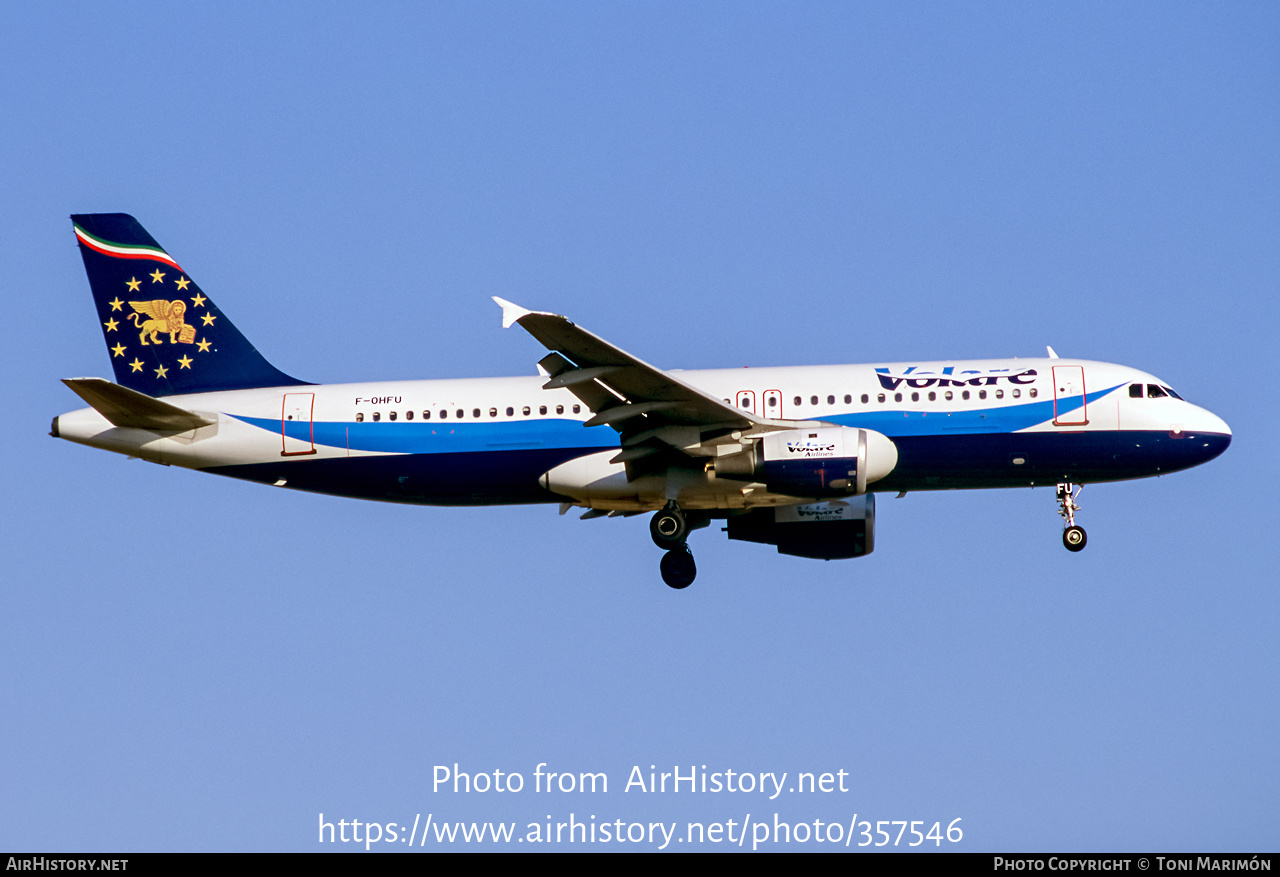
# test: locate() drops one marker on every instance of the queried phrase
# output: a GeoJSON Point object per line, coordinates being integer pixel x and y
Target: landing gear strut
{"type": "Point", "coordinates": [1073, 537]}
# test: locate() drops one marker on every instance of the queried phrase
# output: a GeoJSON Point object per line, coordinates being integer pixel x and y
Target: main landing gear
{"type": "Point", "coordinates": [1073, 537]}
{"type": "Point", "coordinates": [669, 529]}
{"type": "Point", "coordinates": [678, 568]}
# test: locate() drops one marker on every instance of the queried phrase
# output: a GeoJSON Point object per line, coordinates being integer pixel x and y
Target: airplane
{"type": "Point", "coordinates": [790, 457]}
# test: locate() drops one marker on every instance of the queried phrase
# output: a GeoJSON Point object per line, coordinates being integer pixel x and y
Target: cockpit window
{"type": "Point", "coordinates": [1169, 390]}
{"type": "Point", "coordinates": [1135, 391]}
{"type": "Point", "coordinates": [1154, 392]}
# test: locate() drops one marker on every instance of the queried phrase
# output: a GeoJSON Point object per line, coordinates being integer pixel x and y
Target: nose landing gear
{"type": "Point", "coordinates": [1073, 537]}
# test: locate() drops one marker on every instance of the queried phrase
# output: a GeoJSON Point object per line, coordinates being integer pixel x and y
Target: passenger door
{"type": "Point", "coordinates": [1070, 406]}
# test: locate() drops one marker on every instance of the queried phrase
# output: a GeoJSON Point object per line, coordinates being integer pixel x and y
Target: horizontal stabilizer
{"type": "Point", "coordinates": [129, 408]}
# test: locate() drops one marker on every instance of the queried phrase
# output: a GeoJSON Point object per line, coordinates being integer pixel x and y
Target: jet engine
{"type": "Point", "coordinates": [827, 461]}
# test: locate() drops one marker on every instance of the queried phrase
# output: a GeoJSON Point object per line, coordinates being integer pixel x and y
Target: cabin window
{"type": "Point", "coordinates": [897, 397]}
{"type": "Point", "coordinates": [391, 416]}
{"type": "Point", "coordinates": [865, 398]}
{"type": "Point", "coordinates": [964, 394]}
{"type": "Point", "coordinates": [525, 411]}
{"type": "Point", "coordinates": [879, 397]}
{"type": "Point", "coordinates": [426, 415]}
{"type": "Point", "coordinates": [577, 409]}
{"type": "Point", "coordinates": [493, 412]}
{"type": "Point", "coordinates": [847, 399]}
{"type": "Point", "coordinates": [1017, 394]}
{"type": "Point", "coordinates": [542, 409]}
{"type": "Point", "coordinates": [1135, 391]}
{"type": "Point", "coordinates": [359, 417]}
{"type": "Point", "coordinates": [377, 415]}
{"type": "Point", "coordinates": [460, 414]}
{"type": "Point", "coordinates": [948, 395]}
{"type": "Point", "coordinates": [999, 394]}
{"type": "Point", "coordinates": [1033, 392]}
{"type": "Point", "coordinates": [797, 400]}
{"type": "Point", "coordinates": [408, 415]}
{"type": "Point", "coordinates": [915, 397]}
{"type": "Point", "coordinates": [813, 400]}
{"type": "Point", "coordinates": [772, 402]}
{"type": "Point", "coordinates": [444, 414]}
{"type": "Point", "coordinates": [831, 400]}
{"type": "Point", "coordinates": [510, 411]}
{"type": "Point", "coordinates": [475, 412]}
{"type": "Point", "coordinates": [559, 409]}
{"type": "Point", "coordinates": [933, 397]}
{"type": "Point", "coordinates": [982, 394]}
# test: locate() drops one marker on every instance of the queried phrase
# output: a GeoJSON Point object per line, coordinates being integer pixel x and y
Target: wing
{"type": "Point", "coordinates": [653, 411]}
{"type": "Point", "coordinates": [157, 310]}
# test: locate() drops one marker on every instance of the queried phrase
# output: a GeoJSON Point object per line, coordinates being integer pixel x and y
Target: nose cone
{"type": "Point", "coordinates": [1214, 424]}
{"type": "Point", "coordinates": [1214, 443]}
{"type": "Point", "coordinates": [1209, 432]}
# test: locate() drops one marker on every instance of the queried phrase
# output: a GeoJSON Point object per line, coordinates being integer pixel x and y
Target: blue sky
{"type": "Point", "coordinates": [193, 663]}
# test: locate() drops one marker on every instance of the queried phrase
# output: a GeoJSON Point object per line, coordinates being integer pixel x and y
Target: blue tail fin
{"type": "Point", "coordinates": [165, 336]}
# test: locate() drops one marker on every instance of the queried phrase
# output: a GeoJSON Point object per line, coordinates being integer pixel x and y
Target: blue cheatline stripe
{"type": "Point", "coordinates": [1002, 419]}
{"type": "Point", "coordinates": [442, 437]}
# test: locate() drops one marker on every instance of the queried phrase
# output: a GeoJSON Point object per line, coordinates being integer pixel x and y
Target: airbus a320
{"type": "Point", "coordinates": [791, 457]}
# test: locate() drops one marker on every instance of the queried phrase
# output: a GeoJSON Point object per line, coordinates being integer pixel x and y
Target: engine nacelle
{"type": "Point", "coordinates": [824, 530]}
{"type": "Point", "coordinates": [827, 461]}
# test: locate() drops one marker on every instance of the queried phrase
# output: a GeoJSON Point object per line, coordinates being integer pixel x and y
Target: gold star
{"type": "Point", "coordinates": [118, 350]}
{"type": "Point", "coordinates": [199, 300]}
{"type": "Point", "coordinates": [111, 325]}
{"type": "Point", "coordinates": [133, 283]}
{"type": "Point", "coordinates": [157, 275]}
{"type": "Point", "coordinates": [185, 362]}
{"type": "Point", "coordinates": [183, 283]}
{"type": "Point", "coordinates": [115, 305]}
{"type": "Point", "coordinates": [203, 345]}
{"type": "Point", "coordinates": [136, 365]}
{"type": "Point", "coordinates": [162, 372]}
{"type": "Point", "coordinates": [208, 319]}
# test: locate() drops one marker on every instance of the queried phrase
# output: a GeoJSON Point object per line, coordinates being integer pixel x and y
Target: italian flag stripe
{"type": "Point", "coordinates": [120, 251]}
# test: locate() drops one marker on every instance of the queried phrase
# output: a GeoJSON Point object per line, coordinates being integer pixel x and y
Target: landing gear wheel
{"type": "Point", "coordinates": [669, 528]}
{"type": "Point", "coordinates": [678, 569]}
{"type": "Point", "coordinates": [1074, 538]}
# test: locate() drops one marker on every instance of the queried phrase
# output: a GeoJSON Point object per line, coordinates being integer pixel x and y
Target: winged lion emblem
{"type": "Point", "coordinates": [165, 317]}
